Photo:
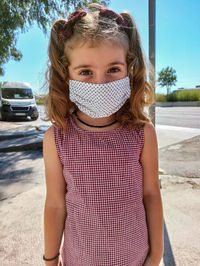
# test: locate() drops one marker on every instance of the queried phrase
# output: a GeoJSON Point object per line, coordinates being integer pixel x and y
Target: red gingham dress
{"type": "Point", "coordinates": [106, 220]}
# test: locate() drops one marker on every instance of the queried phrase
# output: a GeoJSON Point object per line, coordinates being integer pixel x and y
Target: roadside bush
{"type": "Point", "coordinates": [171, 97]}
{"type": "Point", "coordinates": [192, 95]}
{"type": "Point", "coordinates": [39, 102]}
{"type": "Point", "coordinates": [179, 96]}
{"type": "Point", "coordinates": [160, 98]}
{"type": "Point", "coordinates": [40, 99]}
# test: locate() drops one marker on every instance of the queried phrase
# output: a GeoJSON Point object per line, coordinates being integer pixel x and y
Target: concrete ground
{"type": "Point", "coordinates": [22, 188]}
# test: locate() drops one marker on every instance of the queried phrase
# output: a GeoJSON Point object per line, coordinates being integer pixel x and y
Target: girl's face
{"type": "Point", "coordinates": [100, 64]}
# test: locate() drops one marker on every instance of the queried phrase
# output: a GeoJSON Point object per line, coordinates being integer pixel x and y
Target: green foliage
{"type": "Point", "coordinates": [187, 95]}
{"type": "Point", "coordinates": [171, 97]}
{"type": "Point", "coordinates": [40, 99]}
{"type": "Point", "coordinates": [179, 96]}
{"type": "Point", "coordinates": [19, 15]}
{"type": "Point", "coordinates": [167, 78]}
{"type": "Point", "coordinates": [39, 102]}
{"type": "Point", "coordinates": [160, 98]}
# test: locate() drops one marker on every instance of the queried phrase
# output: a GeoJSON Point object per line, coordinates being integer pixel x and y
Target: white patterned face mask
{"type": "Point", "coordinates": [99, 100]}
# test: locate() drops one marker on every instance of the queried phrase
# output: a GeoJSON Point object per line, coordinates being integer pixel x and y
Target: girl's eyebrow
{"type": "Point", "coordinates": [117, 63]}
{"type": "Point", "coordinates": [89, 66]}
{"type": "Point", "coordinates": [82, 66]}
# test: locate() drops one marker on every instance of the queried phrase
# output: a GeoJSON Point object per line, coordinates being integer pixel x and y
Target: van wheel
{"type": "Point", "coordinates": [34, 117]}
{"type": "Point", "coordinates": [3, 117]}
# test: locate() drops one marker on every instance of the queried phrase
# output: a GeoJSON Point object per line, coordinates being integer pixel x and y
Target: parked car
{"type": "Point", "coordinates": [17, 100]}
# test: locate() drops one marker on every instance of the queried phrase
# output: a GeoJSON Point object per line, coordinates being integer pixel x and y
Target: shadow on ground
{"type": "Point", "coordinates": [19, 171]}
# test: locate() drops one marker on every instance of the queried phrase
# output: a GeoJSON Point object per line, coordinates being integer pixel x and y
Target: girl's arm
{"type": "Point", "coordinates": [151, 195]}
{"type": "Point", "coordinates": [55, 206]}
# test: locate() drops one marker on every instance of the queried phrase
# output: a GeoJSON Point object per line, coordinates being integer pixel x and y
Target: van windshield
{"type": "Point", "coordinates": [16, 93]}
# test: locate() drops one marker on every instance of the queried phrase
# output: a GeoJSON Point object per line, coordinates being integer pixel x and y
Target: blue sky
{"type": "Point", "coordinates": [177, 43]}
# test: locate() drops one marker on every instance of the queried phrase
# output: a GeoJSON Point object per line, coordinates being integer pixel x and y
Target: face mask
{"type": "Point", "coordinates": [99, 100]}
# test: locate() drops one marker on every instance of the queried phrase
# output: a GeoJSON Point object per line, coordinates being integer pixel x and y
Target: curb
{"type": "Point", "coordinates": [21, 142]}
{"type": "Point", "coordinates": [178, 104]}
{"type": "Point", "coordinates": [17, 136]}
{"type": "Point", "coordinates": [31, 139]}
{"type": "Point", "coordinates": [25, 147]}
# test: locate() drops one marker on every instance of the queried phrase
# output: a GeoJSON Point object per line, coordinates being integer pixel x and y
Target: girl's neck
{"type": "Point", "coordinates": [96, 122]}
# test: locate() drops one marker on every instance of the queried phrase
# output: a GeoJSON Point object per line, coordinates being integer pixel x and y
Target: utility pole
{"type": "Point", "coordinates": [152, 56]}
{"type": "Point", "coordinates": [152, 52]}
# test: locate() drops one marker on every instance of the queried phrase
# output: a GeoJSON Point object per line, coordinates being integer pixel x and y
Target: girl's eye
{"type": "Point", "coordinates": [114, 70]}
{"type": "Point", "coordinates": [85, 72]}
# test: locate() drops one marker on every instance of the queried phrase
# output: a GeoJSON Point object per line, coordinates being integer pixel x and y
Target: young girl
{"type": "Point", "coordinates": [101, 153]}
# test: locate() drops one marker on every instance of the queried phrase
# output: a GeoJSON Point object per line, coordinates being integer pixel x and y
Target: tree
{"type": "Point", "coordinates": [167, 78]}
{"type": "Point", "coordinates": [19, 15]}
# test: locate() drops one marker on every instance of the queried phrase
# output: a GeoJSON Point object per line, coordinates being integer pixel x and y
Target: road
{"type": "Point", "coordinates": [172, 116]}
{"type": "Point", "coordinates": [178, 116]}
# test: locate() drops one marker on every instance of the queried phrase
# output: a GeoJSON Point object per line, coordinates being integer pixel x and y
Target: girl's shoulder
{"type": "Point", "coordinates": [53, 142]}
{"type": "Point", "coordinates": [149, 130]}
{"type": "Point", "coordinates": [49, 145]}
{"type": "Point", "coordinates": [49, 134]}
{"type": "Point", "coordinates": [150, 139]}
{"type": "Point", "coordinates": [49, 141]}
{"type": "Point", "coordinates": [147, 135]}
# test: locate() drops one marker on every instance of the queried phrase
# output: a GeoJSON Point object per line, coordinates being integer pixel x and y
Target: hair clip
{"type": "Point", "coordinates": [67, 29]}
{"type": "Point", "coordinates": [109, 13]}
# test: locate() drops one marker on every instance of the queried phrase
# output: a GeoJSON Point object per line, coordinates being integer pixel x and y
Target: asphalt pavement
{"type": "Point", "coordinates": [22, 193]}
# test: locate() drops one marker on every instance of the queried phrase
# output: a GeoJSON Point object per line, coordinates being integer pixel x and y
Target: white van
{"type": "Point", "coordinates": [17, 100]}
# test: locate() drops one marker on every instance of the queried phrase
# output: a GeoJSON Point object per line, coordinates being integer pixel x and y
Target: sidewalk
{"type": "Point", "coordinates": [22, 212]}
{"type": "Point", "coordinates": [22, 138]}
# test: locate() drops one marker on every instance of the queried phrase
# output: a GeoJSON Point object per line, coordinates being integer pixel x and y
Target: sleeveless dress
{"type": "Point", "coordinates": [106, 220]}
